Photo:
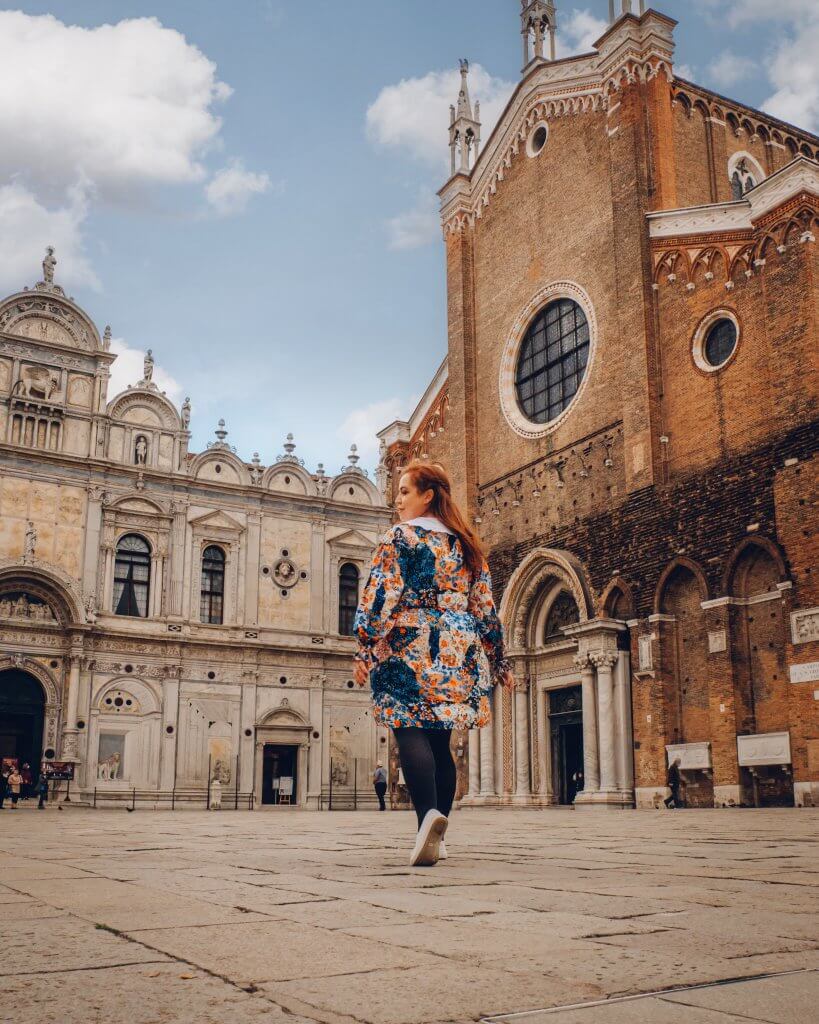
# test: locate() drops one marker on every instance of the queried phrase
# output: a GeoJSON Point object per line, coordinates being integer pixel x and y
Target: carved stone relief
{"type": "Point", "coordinates": [19, 605]}
{"type": "Point", "coordinates": [805, 625]}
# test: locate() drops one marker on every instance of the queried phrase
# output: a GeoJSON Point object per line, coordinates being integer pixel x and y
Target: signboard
{"type": "Point", "coordinates": [58, 771]}
{"type": "Point", "coordinates": [286, 785]}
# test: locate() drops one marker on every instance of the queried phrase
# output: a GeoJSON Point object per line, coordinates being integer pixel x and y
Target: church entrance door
{"type": "Point", "coordinates": [279, 770]}
{"type": "Point", "coordinates": [566, 720]}
{"type": "Point", "coordinates": [22, 713]}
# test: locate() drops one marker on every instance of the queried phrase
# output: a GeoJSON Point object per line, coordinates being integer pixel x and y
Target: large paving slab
{"type": "Point", "coordinates": [557, 916]}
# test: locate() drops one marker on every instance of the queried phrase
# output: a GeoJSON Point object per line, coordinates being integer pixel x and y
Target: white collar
{"type": "Point", "coordinates": [430, 523]}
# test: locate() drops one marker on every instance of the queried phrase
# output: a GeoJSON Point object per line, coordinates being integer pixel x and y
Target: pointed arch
{"type": "Point", "coordinates": [680, 562]}
{"type": "Point", "coordinates": [761, 543]}
{"type": "Point", "coordinates": [617, 600]}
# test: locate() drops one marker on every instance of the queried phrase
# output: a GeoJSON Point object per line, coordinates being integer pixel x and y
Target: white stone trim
{"type": "Point", "coordinates": [506, 383]}
{"type": "Point", "coordinates": [764, 749]}
{"type": "Point", "coordinates": [755, 168]}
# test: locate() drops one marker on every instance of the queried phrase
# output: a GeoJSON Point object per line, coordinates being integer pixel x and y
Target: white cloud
{"type": "Point", "coordinates": [121, 105]}
{"type": "Point", "coordinates": [231, 188]}
{"type": "Point", "coordinates": [127, 370]}
{"type": "Point", "coordinates": [745, 12]}
{"type": "Point", "coordinates": [414, 114]}
{"type": "Point", "coordinates": [28, 227]}
{"type": "Point", "coordinates": [685, 71]}
{"type": "Point", "coordinates": [415, 227]}
{"type": "Point", "coordinates": [361, 425]}
{"type": "Point", "coordinates": [728, 68]}
{"type": "Point", "coordinates": [794, 74]}
{"type": "Point", "coordinates": [578, 32]}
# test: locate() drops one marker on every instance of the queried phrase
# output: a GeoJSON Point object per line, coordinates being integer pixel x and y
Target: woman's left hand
{"type": "Point", "coordinates": [361, 673]}
{"type": "Point", "coordinates": [507, 680]}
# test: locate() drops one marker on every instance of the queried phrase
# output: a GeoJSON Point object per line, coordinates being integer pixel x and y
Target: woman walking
{"type": "Point", "coordinates": [430, 642]}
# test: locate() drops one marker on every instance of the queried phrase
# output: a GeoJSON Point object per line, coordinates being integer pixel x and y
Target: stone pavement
{"type": "Point", "coordinates": [550, 916]}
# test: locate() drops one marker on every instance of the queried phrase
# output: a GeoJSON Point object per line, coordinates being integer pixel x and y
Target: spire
{"type": "Point", "coordinates": [626, 7]}
{"type": "Point", "coordinates": [464, 127]}
{"type": "Point", "coordinates": [537, 19]}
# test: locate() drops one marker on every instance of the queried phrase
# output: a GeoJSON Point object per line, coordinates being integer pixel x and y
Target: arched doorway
{"type": "Point", "coordinates": [22, 716]}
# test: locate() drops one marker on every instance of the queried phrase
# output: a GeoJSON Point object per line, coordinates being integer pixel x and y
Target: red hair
{"type": "Point", "coordinates": [431, 476]}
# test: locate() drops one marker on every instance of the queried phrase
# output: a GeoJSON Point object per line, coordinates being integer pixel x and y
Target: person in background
{"type": "Point", "coordinates": [26, 789]}
{"type": "Point", "coordinates": [673, 783]}
{"type": "Point", "coordinates": [41, 789]}
{"type": "Point", "coordinates": [380, 784]}
{"type": "Point", "coordinates": [430, 643]}
{"type": "Point", "coordinates": [15, 785]}
{"type": "Point", "coordinates": [4, 786]}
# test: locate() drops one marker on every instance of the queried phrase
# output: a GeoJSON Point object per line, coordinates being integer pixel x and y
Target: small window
{"type": "Point", "coordinates": [562, 613]}
{"type": "Point", "coordinates": [212, 595]}
{"type": "Point", "coordinates": [720, 342]}
{"type": "Point", "coordinates": [537, 139]}
{"type": "Point", "coordinates": [132, 576]}
{"type": "Point", "coordinates": [745, 177]}
{"type": "Point", "coordinates": [347, 598]}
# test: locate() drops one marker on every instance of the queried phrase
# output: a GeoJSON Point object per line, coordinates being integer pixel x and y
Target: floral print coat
{"type": "Point", "coordinates": [429, 635]}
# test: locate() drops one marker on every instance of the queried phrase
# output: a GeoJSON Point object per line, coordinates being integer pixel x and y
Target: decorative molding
{"type": "Point", "coordinates": [764, 749]}
{"type": "Point", "coordinates": [805, 625]}
{"type": "Point", "coordinates": [692, 756]}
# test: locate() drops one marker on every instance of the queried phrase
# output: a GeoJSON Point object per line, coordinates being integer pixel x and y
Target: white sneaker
{"type": "Point", "coordinates": [426, 851]}
{"type": "Point", "coordinates": [442, 854]}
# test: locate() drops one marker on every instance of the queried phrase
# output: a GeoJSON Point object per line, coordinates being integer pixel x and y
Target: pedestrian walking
{"type": "Point", "coordinates": [380, 784]}
{"type": "Point", "coordinates": [41, 789]}
{"type": "Point", "coordinates": [4, 787]}
{"type": "Point", "coordinates": [673, 782]}
{"type": "Point", "coordinates": [15, 781]}
{"type": "Point", "coordinates": [430, 643]}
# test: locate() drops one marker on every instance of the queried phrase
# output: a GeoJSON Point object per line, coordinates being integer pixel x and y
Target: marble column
{"type": "Point", "coordinates": [522, 785]}
{"type": "Point", "coordinates": [70, 731]}
{"type": "Point", "coordinates": [474, 764]}
{"type": "Point", "coordinates": [591, 761]}
{"type": "Point", "coordinates": [622, 708]}
{"type": "Point", "coordinates": [604, 662]}
{"type": "Point", "coordinates": [487, 762]}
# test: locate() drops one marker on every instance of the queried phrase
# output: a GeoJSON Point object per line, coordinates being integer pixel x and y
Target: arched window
{"type": "Point", "coordinates": [132, 576]}
{"type": "Point", "coordinates": [552, 360]}
{"type": "Point", "coordinates": [212, 594]}
{"type": "Point", "coordinates": [562, 613]}
{"type": "Point", "coordinates": [744, 177]}
{"type": "Point", "coordinates": [347, 598]}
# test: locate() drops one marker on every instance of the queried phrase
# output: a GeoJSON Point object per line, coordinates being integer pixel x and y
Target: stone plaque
{"type": "Point", "coordinates": [807, 672]}
{"type": "Point", "coordinates": [805, 625]}
{"type": "Point", "coordinates": [764, 748]}
{"type": "Point", "coordinates": [645, 660]}
{"type": "Point", "coordinates": [717, 642]}
{"type": "Point", "coordinates": [691, 755]}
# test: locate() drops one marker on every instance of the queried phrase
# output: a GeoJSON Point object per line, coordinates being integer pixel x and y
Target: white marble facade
{"type": "Point", "coordinates": [158, 701]}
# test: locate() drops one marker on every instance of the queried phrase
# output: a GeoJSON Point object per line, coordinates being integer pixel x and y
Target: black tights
{"type": "Point", "coordinates": [428, 767]}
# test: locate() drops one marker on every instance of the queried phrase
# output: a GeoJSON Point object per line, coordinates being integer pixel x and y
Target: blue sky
{"type": "Point", "coordinates": [247, 187]}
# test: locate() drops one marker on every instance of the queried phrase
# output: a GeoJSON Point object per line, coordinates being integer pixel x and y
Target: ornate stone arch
{"type": "Point", "coordinates": [763, 544]}
{"type": "Point", "coordinates": [525, 590]}
{"type": "Point", "coordinates": [209, 465]}
{"type": "Point", "coordinates": [677, 563]}
{"type": "Point", "coordinates": [289, 478]}
{"type": "Point", "coordinates": [149, 399]}
{"type": "Point", "coordinates": [365, 492]}
{"type": "Point", "coordinates": [51, 689]}
{"type": "Point", "coordinates": [75, 327]}
{"type": "Point", "coordinates": [49, 583]}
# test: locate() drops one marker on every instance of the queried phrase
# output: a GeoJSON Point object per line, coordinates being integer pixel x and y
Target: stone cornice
{"type": "Point", "coordinates": [798, 178]}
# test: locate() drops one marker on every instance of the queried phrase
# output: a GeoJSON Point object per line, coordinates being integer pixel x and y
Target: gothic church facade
{"type": "Point", "coordinates": [628, 406]}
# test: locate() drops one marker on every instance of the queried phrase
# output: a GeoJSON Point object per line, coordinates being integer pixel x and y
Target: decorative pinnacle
{"type": "Point", "coordinates": [289, 445]}
{"type": "Point", "coordinates": [256, 460]}
{"type": "Point", "coordinates": [221, 433]}
{"type": "Point", "coordinates": [320, 471]}
{"type": "Point", "coordinates": [354, 457]}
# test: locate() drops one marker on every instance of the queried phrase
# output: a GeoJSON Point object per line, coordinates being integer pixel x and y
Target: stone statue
{"type": "Point", "coordinates": [30, 542]}
{"type": "Point", "coordinates": [216, 794]}
{"type": "Point", "coordinates": [108, 770]}
{"type": "Point", "coordinates": [186, 413]}
{"type": "Point", "coordinates": [21, 607]}
{"type": "Point", "coordinates": [106, 339]}
{"type": "Point", "coordinates": [49, 263]}
{"type": "Point", "coordinates": [141, 451]}
{"type": "Point", "coordinates": [91, 608]}
{"type": "Point", "coordinates": [148, 367]}
{"type": "Point", "coordinates": [5, 608]}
